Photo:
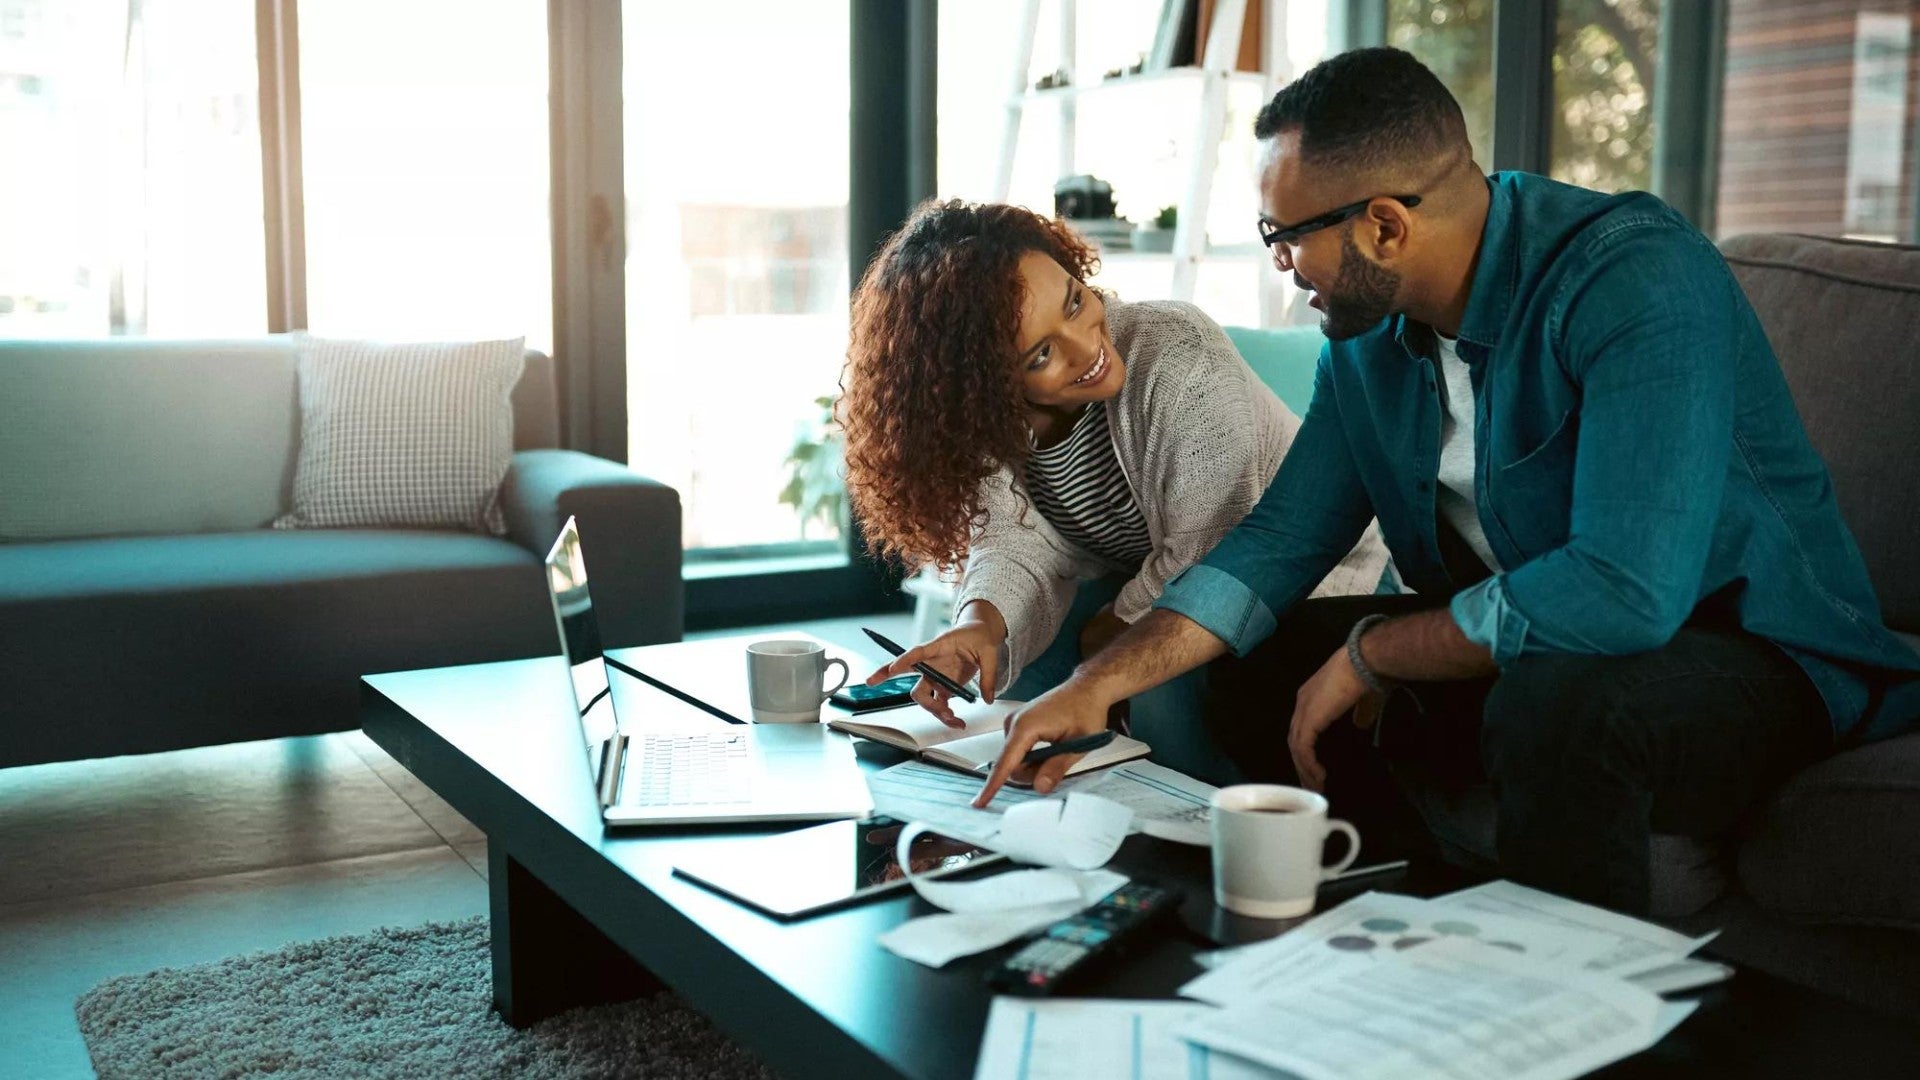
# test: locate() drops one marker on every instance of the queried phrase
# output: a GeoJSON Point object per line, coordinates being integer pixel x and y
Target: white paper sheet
{"type": "Point", "coordinates": [1372, 929]}
{"type": "Point", "coordinates": [1455, 1008]}
{"type": "Point", "coordinates": [1168, 804]}
{"type": "Point", "coordinates": [934, 940]}
{"type": "Point", "coordinates": [1071, 837]}
{"type": "Point", "coordinates": [1637, 945]}
{"type": "Point", "coordinates": [1081, 831]}
{"type": "Point", "coordinates": [1098, 1039]}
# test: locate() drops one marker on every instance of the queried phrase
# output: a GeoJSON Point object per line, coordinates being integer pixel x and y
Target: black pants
{"type": "Point", "coordinates": [1588, 755]}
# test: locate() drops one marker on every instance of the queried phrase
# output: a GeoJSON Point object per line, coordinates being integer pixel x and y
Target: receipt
{"type": "Point", "coordinates": [1068, 838]}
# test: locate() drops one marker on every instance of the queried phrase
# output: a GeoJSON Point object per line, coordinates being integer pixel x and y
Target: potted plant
{"type": "Point", "coordinates": [1157, 235]}
{"type": "Point", "coordinates": [814, 486]}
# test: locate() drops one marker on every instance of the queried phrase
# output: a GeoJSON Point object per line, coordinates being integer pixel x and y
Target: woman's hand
{"type": "Point", "coordinates": [1100, 630]}
{"type": "Point", "coordinates": [971, 648]}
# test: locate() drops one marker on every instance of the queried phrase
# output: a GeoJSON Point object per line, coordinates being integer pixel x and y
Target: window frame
{"type": "Point", "coordinates": [1687, 87]}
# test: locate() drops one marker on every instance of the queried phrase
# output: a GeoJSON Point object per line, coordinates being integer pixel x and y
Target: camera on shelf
{"type": "Point", "coordinates": [1083, 198]}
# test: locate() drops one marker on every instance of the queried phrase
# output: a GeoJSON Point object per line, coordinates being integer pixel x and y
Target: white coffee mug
{"type": "Point", "coordinates": [784, 680]}
{"type": "Point", "coordinates": [1268, 843]}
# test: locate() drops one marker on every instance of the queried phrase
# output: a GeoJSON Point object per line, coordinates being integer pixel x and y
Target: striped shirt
{"type": "Point", "coordinates": [1078, 486]}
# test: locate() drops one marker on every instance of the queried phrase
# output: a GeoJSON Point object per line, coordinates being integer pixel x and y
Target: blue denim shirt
{"type": "Point", "coordinates": [1640, 463]}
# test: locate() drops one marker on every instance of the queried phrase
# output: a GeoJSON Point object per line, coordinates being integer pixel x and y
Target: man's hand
{"type": "Point", "coordinates": [1064, 712]}
{"type": "Point", "coordinates": [1101, 629]}
{"type": "Point", "coordinates": [1332, 693]}
{"type": "Point", "coordinates": [971, 648]}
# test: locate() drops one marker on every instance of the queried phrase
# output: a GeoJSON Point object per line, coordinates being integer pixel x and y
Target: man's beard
{"type": "Point", "coordinates": [1361, 296]}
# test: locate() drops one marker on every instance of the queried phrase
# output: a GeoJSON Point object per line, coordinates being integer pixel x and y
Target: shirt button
{"type": "Point", "coordinates": [1423, 485]}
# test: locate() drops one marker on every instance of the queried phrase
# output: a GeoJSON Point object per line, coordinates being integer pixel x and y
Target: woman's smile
{"type": "Point", "coordinates": [1098, 371]}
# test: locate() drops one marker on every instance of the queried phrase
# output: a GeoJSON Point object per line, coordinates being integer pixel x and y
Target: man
{"type": "Point", "coordinates": [1637, 606]}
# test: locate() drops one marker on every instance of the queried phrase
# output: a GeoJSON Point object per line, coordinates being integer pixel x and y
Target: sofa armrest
{"type": "Point", "coordinates": [629, 525]}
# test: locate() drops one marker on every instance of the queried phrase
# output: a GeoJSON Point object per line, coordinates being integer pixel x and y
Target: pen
{"type": "Point", "coordinates": [1072, 746]}
{"type": "Point", "coordinates": [951, 687]}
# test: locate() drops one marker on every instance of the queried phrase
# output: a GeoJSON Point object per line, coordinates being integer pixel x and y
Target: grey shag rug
{"type": "Point", "coordinates": [393, 1003]}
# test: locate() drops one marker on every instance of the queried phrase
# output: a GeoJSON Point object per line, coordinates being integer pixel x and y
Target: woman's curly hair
{"type": "Point", "coordinates": [932, 400]}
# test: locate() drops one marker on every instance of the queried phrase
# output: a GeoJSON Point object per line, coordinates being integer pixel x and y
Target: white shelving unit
{"type": "Point", "coordinates": [1216, 76]}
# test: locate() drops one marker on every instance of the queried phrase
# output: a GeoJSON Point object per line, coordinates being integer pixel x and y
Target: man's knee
{"type": "Point", "coordinates": [1558, 716]}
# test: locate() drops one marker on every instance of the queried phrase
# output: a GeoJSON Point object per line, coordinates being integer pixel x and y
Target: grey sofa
{"type": "Point", "coordinates": [145, 606]}
{"type": "Point", "coordinates": [1822, 885]}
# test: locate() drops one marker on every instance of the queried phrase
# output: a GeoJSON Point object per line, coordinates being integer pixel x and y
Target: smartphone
{"type": "Point", "coordinates": [859, 697]}
{"type": "Point", "coordinates": [826, 866]}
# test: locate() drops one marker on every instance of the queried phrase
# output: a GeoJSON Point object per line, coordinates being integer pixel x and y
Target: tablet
{"type": "Point", "coordinates": [808, 870]}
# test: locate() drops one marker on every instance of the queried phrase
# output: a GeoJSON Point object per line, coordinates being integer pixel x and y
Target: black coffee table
{"type": "Point", "coordinates": [581, 914]}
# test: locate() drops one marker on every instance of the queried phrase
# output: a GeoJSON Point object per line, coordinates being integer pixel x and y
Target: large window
{"type": "Point", "coordinates": [424, 127]}
{"type": "Point", "coordinates": [1455, 39]}
{"type": "Point", "coordinates": [130, 195]}
{"type": "Point", "coordinates": [1818, 118]}
{"type": "Point", "coordinates": [1603, 77]}
{"type": "Point", "coordinates": [736, 172]}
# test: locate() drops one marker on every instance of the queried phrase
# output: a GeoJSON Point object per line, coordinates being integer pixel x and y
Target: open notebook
{"type": "Point", "coordinates": [975, 747]}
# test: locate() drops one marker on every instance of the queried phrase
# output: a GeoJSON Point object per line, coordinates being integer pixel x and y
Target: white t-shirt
{"type": "Point", "coordinates": [1453, 494]}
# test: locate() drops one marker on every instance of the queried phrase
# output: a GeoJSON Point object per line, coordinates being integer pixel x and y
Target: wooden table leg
{"type": "Point", "coordinates": [546, 957]}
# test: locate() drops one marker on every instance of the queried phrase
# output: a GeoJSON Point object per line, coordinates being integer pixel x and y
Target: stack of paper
{"type": "Point", "coordinates": [1499, 981]}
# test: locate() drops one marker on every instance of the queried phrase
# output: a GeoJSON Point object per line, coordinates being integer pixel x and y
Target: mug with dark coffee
{"type": "Point", "coordinates": [1268, 843]}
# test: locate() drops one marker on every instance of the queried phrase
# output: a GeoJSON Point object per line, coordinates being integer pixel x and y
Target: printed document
{"type": "Point", "coordinates": [1638, 946]}
{"type": "Point", "coordinates": [1456, 1008]}
{"type": "Point", "coordinates": [1096, 1039]}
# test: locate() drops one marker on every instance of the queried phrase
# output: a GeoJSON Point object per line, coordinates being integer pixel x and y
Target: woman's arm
{"type": "Point", "coordinates": [1019, 565]}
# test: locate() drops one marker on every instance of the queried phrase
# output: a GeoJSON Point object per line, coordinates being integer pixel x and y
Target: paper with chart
{"type": "Point", "coordinates": [1070, 838]}
{"type": "Point", "coordinates": [930, 795]}
{"type": "Point", "coordinates": [1097, 1039]}
{"type": "Point", "coordinates": [1637, 946]}
{"type": "Point", "coordinates": [1374, 929]}
{"type": "Point", "coordinates": [1455, 1008]}
{"type": "Point", "coordinates": [1167, 804]}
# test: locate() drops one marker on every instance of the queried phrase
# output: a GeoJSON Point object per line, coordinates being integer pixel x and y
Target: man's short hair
{"type": "Point", "coordinates": [1367, 109]}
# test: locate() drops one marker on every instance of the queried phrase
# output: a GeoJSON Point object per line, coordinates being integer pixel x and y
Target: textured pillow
{"type": "Point", "coordinates": [413, 435]}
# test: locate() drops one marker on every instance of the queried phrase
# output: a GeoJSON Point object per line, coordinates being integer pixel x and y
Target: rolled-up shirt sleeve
{"type": "Point", "coordinates": [1488, 619]}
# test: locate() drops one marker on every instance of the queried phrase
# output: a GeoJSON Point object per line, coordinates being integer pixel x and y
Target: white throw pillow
{"type": "Point", "coordinates": [404, 434]}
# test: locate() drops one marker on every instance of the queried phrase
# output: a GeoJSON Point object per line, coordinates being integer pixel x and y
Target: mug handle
{"type": "Point", "coordinates": [1335, 825]}
{"type": "Point", "coordinates": [835, 688]}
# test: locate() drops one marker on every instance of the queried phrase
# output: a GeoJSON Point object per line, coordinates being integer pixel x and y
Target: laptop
{"type": "Point", "coordinates": [689, 774]}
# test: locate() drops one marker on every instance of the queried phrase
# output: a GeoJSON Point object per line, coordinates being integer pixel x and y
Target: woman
{"type": "Point", "coordinates": [1072, 451]}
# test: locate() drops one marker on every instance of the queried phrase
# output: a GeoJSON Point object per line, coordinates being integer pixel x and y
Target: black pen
{"type": "Point", "coordinates": [951, 687]}
{"type": "Point", "coordinates": [1072, 746]}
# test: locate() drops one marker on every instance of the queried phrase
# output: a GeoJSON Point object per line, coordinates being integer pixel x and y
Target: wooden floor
{"type": "Point", "coordinates": [121, 865]}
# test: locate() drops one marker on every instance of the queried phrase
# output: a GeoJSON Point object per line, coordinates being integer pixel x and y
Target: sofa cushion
{"type": "Point", "coordinates": [132, 436]}
{"type": "Point", "coordinates": [1284, 358]}
{"type": "Point", "coordinates": [144, 436]}
{"type": "Point", "coordinates": [1838, 842]}
{"type": "Point", "coordinates": [410, 435]}
{"type": "Point", "coordinates": [1843, 316]}
{"type": "Point", "coordinates": [153, 565]}
{"type": "Point", "coordinates": [148, 643]}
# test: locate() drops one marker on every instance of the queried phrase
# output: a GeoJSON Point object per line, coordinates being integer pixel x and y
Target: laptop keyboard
{"type": "Point", "coordinates": [691, 770]}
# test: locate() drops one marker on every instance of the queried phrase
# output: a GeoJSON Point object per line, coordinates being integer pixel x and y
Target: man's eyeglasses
{"type": "Point", "coordinates": [1271, 234]}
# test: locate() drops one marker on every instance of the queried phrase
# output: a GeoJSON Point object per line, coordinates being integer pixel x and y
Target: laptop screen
{"type": "Point", "coordinates": [579, 633]}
